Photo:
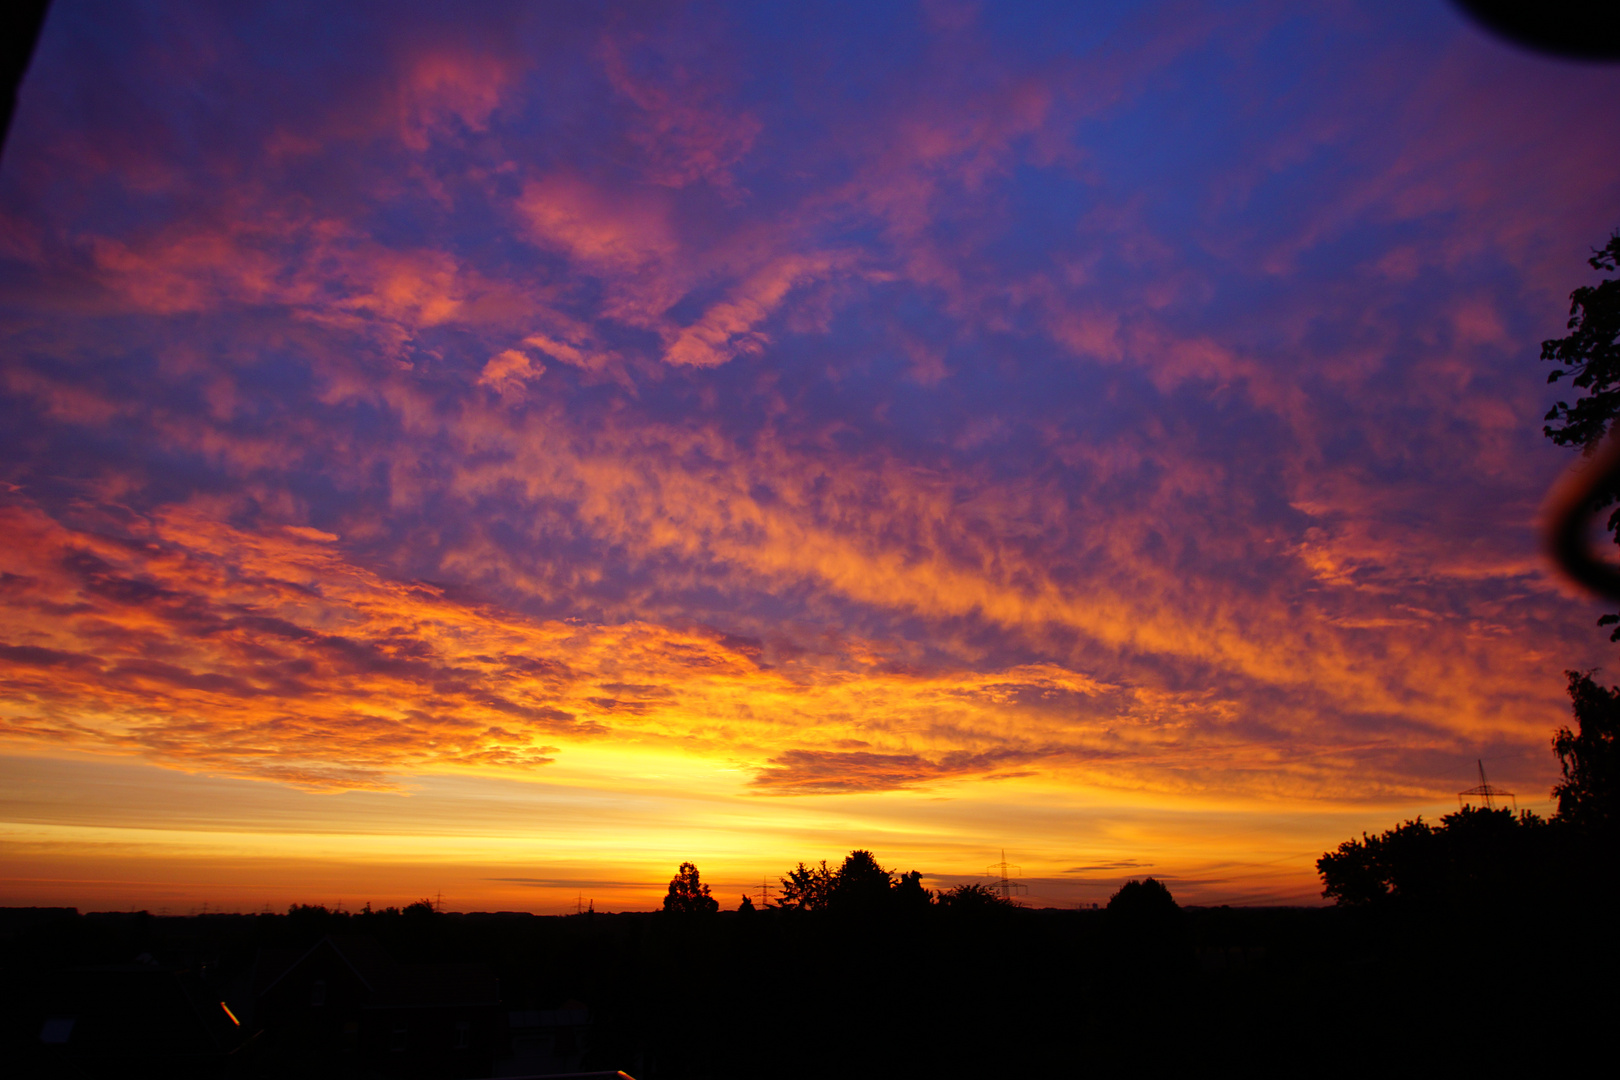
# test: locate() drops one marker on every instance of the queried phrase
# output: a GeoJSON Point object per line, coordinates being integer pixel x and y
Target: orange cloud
{"type": "Point", "coordinates": [595, 227]}
{"type": "Point", "coordinates": [267, 654]}
{"type": "Point", "coordinates": [1136, 594]}
{"type": "Point", "coordinates": [508, 373]}
{"type": "Point", "coordinates": [730, 329]}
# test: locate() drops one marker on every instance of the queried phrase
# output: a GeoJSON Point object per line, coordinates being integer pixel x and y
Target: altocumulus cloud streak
{"type": "Point", "coordinates": [1131, 399]}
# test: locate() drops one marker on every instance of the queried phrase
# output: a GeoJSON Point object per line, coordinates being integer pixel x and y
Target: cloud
{"type": "Point", "coordinates": [443, 91]}
{"type": "Point", "coordinates": [603, 231]}
{"type": "Point", "coordinates": [900, 430]}
{"type": "Point", "coordinates": [729, 329]}
{"type": "Point", "coordinates": [685, 129]}
{"type": "Point", "coordinates": [508, 373]}
{"type": "Point", "coordinates": [816, 772]}
{"type": "Point", "coordinates": [206, 649]}
{"type": "Point", "coordinates": [1110, 867]}
{"type": "Point", "coordinates": [569, 883]}
{"type": "Point", "coordinates": [268, 654]}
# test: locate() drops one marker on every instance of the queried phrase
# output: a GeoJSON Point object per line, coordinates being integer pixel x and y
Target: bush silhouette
{"type": "Point", "coordinates": [973, 896]}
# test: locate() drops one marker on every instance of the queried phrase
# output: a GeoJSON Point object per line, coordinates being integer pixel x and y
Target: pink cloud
{"type": "Point", "coordinates": [729, 329]}
{"type": "Point", "coordinates": [684, 128]}
{"type": "Point", "coordinates": [441, 91]}
{"type": "Point", "coordinates": [600, 229]}
{"type": "Point", "coordinates": [509, 372]}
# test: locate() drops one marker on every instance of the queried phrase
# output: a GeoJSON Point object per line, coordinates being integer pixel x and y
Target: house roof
{"type": "Point", "coordinates": [387, 984]}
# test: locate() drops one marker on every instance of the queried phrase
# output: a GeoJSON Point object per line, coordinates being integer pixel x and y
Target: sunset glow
{"type": "Point", "coordinates": [505, 451]}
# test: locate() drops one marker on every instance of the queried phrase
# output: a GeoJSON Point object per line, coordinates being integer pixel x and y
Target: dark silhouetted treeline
{"type": "Point", "coordinates": [1485, 858]}
{"type": "Point", "coordinates": [932, 990]}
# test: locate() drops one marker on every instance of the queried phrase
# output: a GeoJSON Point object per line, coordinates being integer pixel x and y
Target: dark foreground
{"type": "Point", "coordinates": [792, 994]}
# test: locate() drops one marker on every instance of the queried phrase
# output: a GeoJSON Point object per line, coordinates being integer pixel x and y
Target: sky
{"type": "Point", "coordinates": [504, 451]}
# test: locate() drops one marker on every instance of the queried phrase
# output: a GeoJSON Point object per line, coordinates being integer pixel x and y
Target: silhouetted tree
{"type": "Point", "coordinates": [1150, 939]}
{"type": "Point", "coordinates": [1147, 898]}
{"type": "Point", "coordinates": [688, 895]}
{"type": "Point", "coordinates": [1368, 870]}
{"type": "Point", "coordinates": [1590, 756]}
{"type": "Point", "coordinates": [746, 905]}
{"type": "Point", "coordinates": [909, 892]}
{"type": "Point", "coordinates": [807, 888]}
{"type": "Point", "coordinates": [860, 884]}
{"type": "Point", "coordinates": [1472, 854]}
{"type": "Point", "coordinates": [1590, 356]}
{"type": "Point", "coordinates": [309, 922]}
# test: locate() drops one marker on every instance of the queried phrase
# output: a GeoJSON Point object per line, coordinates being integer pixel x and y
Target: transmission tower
{"type": "Point", "coordinates": [1485, 792]}
{"type": "Point", "coordinates": [764, 893]}
{"type": "Point", "coordinates": [1004, 884]}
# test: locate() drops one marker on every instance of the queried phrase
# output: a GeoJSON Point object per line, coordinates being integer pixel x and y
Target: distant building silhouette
{"type": "Point", "coordinates": [346, 1002]}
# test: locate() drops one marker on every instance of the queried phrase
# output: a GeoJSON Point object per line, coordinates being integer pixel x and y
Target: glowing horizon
{"type": "Point", "coordinates": [510, 454]}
